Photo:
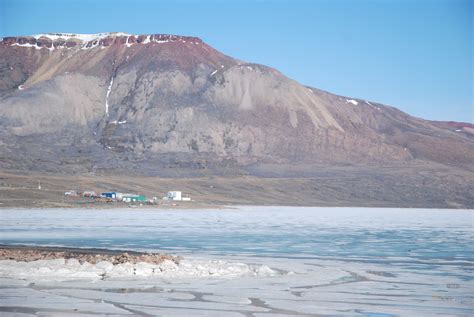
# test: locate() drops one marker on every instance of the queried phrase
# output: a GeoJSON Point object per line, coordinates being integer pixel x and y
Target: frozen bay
{"type": "Point", "coordinates": [323, 261]}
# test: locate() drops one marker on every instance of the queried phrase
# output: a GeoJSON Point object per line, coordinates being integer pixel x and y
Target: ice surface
{"type": "Point", "coordinates": [251, 261]}
{"type": "Point", "coordinates": [63, 270]}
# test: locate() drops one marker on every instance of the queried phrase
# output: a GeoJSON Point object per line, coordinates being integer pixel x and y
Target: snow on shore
{"type": "Point", "coordinates": [71, 269]}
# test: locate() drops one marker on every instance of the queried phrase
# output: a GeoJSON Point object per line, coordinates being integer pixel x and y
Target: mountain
{"type": "Point", "coordinates": [163, 104]}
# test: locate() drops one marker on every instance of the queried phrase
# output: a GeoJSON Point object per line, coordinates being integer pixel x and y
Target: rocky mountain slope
{"type": "Point", "coordinates": [156, 104]}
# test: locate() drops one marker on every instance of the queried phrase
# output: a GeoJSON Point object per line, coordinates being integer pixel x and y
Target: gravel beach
{"type": "Point", "coordinates": [93, 256]}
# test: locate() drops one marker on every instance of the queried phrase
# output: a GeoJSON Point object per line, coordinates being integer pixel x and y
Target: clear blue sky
{"type": "Point", "coordinates": [416, 55]}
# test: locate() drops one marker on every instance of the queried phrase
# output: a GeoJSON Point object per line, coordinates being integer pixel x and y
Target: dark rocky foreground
{"type": "Point", "coordinates": [93, 256]}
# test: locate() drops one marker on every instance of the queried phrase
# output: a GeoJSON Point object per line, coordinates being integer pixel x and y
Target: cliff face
{"type": "Point", "coordinates": [80, 102]}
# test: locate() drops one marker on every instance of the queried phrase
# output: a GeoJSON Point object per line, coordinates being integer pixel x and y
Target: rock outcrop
{"type": "Point", "coordinates": [35, 254]}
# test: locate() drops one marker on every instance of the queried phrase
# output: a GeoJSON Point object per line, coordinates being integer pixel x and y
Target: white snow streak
{"type": "Point", "coordinates": [27, 45]}
{"type": "Point", "coordinates": [352, 101]}
{"type": "Point", "coordinates": [109, 89]}
{"type": "Point", "coordinates": [82, 37]}
{"type": "Point", "coordinates": [118, 122]}
{"type": "Point", "coordinates": [128, 44]}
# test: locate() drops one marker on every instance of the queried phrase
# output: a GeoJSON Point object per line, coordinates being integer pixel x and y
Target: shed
{"type": "Point", "coordinates": [133, 198]}
{"type": "Point", "coordinates": [174, 195]}
{"type": "Point", "coordinates": [110, 195]}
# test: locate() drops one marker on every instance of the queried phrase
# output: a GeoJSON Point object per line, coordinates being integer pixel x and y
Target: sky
{"type": "Point", "coordinates": [416, 55]}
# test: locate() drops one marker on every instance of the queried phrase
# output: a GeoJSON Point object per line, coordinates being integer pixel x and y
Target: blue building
{"type": "Point", "coordinates": [112, 195]}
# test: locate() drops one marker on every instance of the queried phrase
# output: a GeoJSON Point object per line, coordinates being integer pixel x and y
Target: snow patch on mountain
{"type": "Point", "coordinates": [27, 45]}
{"type": "Point", "coordinates": [118, 122]}
{"type": "Point", "coordinates": [109, 89]}
{"type": "Point", "coordinates": [90, 41]}
{"type": "Point", "coordinates": [82, 37]}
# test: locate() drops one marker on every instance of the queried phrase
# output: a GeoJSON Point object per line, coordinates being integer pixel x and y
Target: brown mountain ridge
{"type": "Point", "coordinates": [167, 105]}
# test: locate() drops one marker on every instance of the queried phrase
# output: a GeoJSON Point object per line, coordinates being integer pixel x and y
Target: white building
{"type": "Point", "coordinates": [174, 195]}
{"type": "Point", "coordinates": [71, 192]}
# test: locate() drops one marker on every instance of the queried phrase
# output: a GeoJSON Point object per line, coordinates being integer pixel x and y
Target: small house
{"type": "Point", "coordinates": [119, 196]}
{"type": "Point", "coordinates": [71, 193]}
{"type": "Point", "coordinates": [174, 195]}
{"type": "Point", "coordinates": [112, 195]}
{"type": "Point", "coordinates": [89, 193]}
{"type": "Point", "coordinates": [133, 198]}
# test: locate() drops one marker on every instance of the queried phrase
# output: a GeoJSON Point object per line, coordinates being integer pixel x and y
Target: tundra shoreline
{"type": "Point", "coordinates": [390, 187]}
{"type": "Point", "coordinates": [26, 253]}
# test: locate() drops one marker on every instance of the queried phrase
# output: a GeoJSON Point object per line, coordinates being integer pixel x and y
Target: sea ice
{"type": "Point", "coordinates": [258, 261]}
{"type": "Point", "coordinates": [61, 270]}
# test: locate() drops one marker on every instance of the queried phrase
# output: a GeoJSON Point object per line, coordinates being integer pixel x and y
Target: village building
{"type": "Point", "coordinates": [134, 198]}
{"type": "Point", "coordinates": [72, 193]}
{"type": "Point", "coordinates": [112, 195]}
{"type": "Point", "coordinates": [174, 195]}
